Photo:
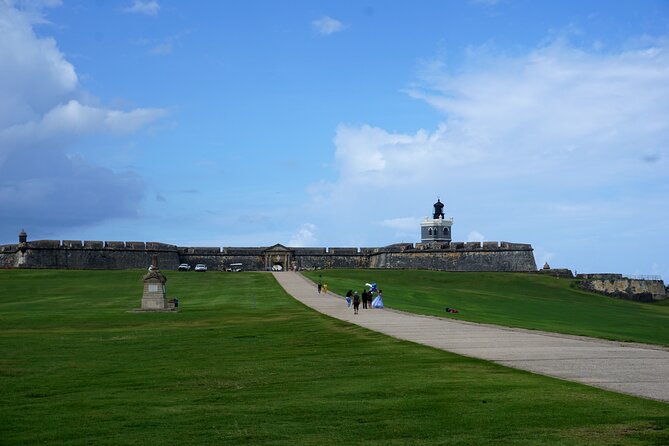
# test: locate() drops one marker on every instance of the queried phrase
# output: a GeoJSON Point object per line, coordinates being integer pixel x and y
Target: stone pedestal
{"type": "Point", "coordinates": [154, 297]}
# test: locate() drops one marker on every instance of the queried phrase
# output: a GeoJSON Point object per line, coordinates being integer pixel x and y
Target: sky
{"type": "Point", "coordinates": [339, 124]}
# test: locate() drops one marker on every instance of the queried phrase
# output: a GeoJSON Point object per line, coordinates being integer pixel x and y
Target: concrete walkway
{"type": "Point", "coordinates": [636, 369]}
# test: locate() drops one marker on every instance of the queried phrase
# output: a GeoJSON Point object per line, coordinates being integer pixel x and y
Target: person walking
{"type": "Point", "coordinates": [325, 288]}
{"type": "Point", "coordinates": [356, 302]}
{"type": "Point", "coordinates": [364, 299]}
{"type": "Point", "coordinates": [349, 296]}
{"type": "Point", "coordinates": [320, 285]}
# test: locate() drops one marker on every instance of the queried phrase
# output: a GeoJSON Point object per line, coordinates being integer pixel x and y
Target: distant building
{"type": "Point", "coordinates": [437, 228]}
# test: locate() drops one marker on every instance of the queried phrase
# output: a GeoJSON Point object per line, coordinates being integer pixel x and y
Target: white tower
{"type": "Point", "coordinates": [437, 228]}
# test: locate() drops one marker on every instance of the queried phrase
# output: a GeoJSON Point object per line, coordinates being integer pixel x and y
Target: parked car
{"type": "Point", "coordinates": [200, 267]}
{"type": "Point", "coordinates": [184, 267]}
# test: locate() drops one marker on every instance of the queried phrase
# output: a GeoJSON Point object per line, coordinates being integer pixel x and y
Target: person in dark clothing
{"type": "Point", "coordinates": [364, 299]}
{"type": "Point", "coordinates": [349, 297]}
{"type": "Point", "coordinates": [356, 302]}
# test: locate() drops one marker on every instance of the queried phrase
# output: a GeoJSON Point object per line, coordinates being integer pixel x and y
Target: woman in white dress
{"type": "Point", "coordinates": [378, 301]}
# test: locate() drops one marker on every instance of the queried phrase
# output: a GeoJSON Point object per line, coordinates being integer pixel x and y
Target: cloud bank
{"type": "Point", "coordinates": [544, 111]}
{"type": "Point", "coordinates": [529, 145]}
{"type": "Point", "coordinates": [43, 113]}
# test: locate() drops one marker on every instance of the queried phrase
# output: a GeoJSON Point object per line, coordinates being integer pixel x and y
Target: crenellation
{"type": "Point", "coordinates": [205, 251]}
{"type": "Point", "coordinates": [115, 245]}
{"type": "Point", "coordinates": [515, 246]}
{"type": "Point", "coordinates": [93, 244]}
{"type": "Point", "coordinates": [156, 246]}
{"type": "Point", "coordinates": [242, 251]}
{"type": "Point", "coordinates": [45, 244]}
{"type": "Point", "coordinates": [343, 251]}
{"type": "Point", "coordinates": [601, 276]}
{"type": "Point", "coordinates": [490, 246]}
{"type": "Point", "coordinates": [472, 245]}
{"type": "Point", "coordinates": [72, 244]}
{"type": "Point", "coordinates": [310, 251]}
{"type": "Point", "coordinates": [135, 245]}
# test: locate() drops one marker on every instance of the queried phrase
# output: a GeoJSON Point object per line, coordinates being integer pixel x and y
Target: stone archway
{"type": "Point", "coordinates": [278, 258]}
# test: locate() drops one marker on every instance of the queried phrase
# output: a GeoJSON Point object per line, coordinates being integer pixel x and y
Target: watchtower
{"type": "Point", "coordinates": [437, 228]}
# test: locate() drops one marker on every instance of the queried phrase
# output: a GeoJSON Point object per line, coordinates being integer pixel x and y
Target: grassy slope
{"type": "Point", "coordinates": [244, 364]}
{"type": "Point", "coordinates": [511, 299]}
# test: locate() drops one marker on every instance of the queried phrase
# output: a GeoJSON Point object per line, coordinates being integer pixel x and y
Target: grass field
{"type": "Point", "coordinates": [511, 299]}
{"type": "Point", "coordinates": [243, 363]}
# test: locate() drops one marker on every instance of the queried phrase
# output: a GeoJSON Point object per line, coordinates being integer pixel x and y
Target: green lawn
{"type": "Point", "coordinates": [511, 299]}
{"type": "Point", "coordinates": [243, 363]}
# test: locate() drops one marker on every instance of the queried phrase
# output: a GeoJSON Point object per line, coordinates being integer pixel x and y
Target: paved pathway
{"type": "Point", "coordinates": [636, 369]}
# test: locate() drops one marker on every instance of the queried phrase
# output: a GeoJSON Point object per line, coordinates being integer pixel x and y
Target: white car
{"type": "Point", "coordinates": [184, 267]}
{"type": "Point", "coordinates": [200, 267]}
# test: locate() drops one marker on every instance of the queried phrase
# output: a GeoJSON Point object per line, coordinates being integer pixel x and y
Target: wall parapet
{"type": "Point", "coordinates": [310, 251]}
{"type": "Point", "coordinates": [599, 276]}
{"type": "Point", "coordinates": [516, 246]}
{"type": "Point", "coordinates": [96, 254]}
{"type": "Point", "coordinates": [343, 251]}
{"type": "Point", "coordinates": [242, 251]}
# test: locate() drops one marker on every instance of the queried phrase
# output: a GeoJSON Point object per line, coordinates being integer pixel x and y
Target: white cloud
{"type": "Point", "coordinates": [559, 143]}
{"type": "Point", "coordinates": [42, 114]}
{"type": "Point", "coordinates": [475, 236]}
{"type": "Point", "coordinates": [556, 110]}
{"type": "Point", "coordinates": [143, 7]}
{"type": "Point", "coordinates": [35, 75]}
{"type": "Point", "coordinates": [560, 101]}
{"type": "Point", "coordinates": [305, 236]}
{"type": "Point", "coordinates": [327, 25]}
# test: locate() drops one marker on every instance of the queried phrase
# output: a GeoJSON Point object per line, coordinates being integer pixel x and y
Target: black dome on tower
{"type": "Point", "coordinates": [438, 209]}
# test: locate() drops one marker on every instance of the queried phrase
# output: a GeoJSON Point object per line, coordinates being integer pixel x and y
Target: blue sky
{"type": "Point", "coordinates": [312, 123]}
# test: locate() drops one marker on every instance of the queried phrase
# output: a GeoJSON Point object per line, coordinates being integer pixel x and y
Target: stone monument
{"type": "Point", "coordinates": [154, 297]}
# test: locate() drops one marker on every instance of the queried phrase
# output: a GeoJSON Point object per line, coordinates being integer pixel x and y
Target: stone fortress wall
{"type": "Point", "coordinates": [447, 256]}
{"type": "Point", "coordinates": [630, 288]}
{"type": "Point", "coordinates": [442, 256]}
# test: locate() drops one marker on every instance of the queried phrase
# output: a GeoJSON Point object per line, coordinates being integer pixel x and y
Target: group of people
{"type": "Point", "coordinates": [368, 300]}
{"type": "Point", "coordinates": [353, 298]}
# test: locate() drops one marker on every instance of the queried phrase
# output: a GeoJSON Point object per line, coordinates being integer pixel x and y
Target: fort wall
{"type": "Point", "coordinates": [75, 254]}
{"type": "Point", "coordinates": [93, 254]}
{"type": "Point", "coordinates": [463, 260]}
{"type": "Point", "coordinates": [614, 285]}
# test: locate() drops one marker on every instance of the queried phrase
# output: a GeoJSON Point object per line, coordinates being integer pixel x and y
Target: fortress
{"type": "Point", "coordinates": [435, 251]}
